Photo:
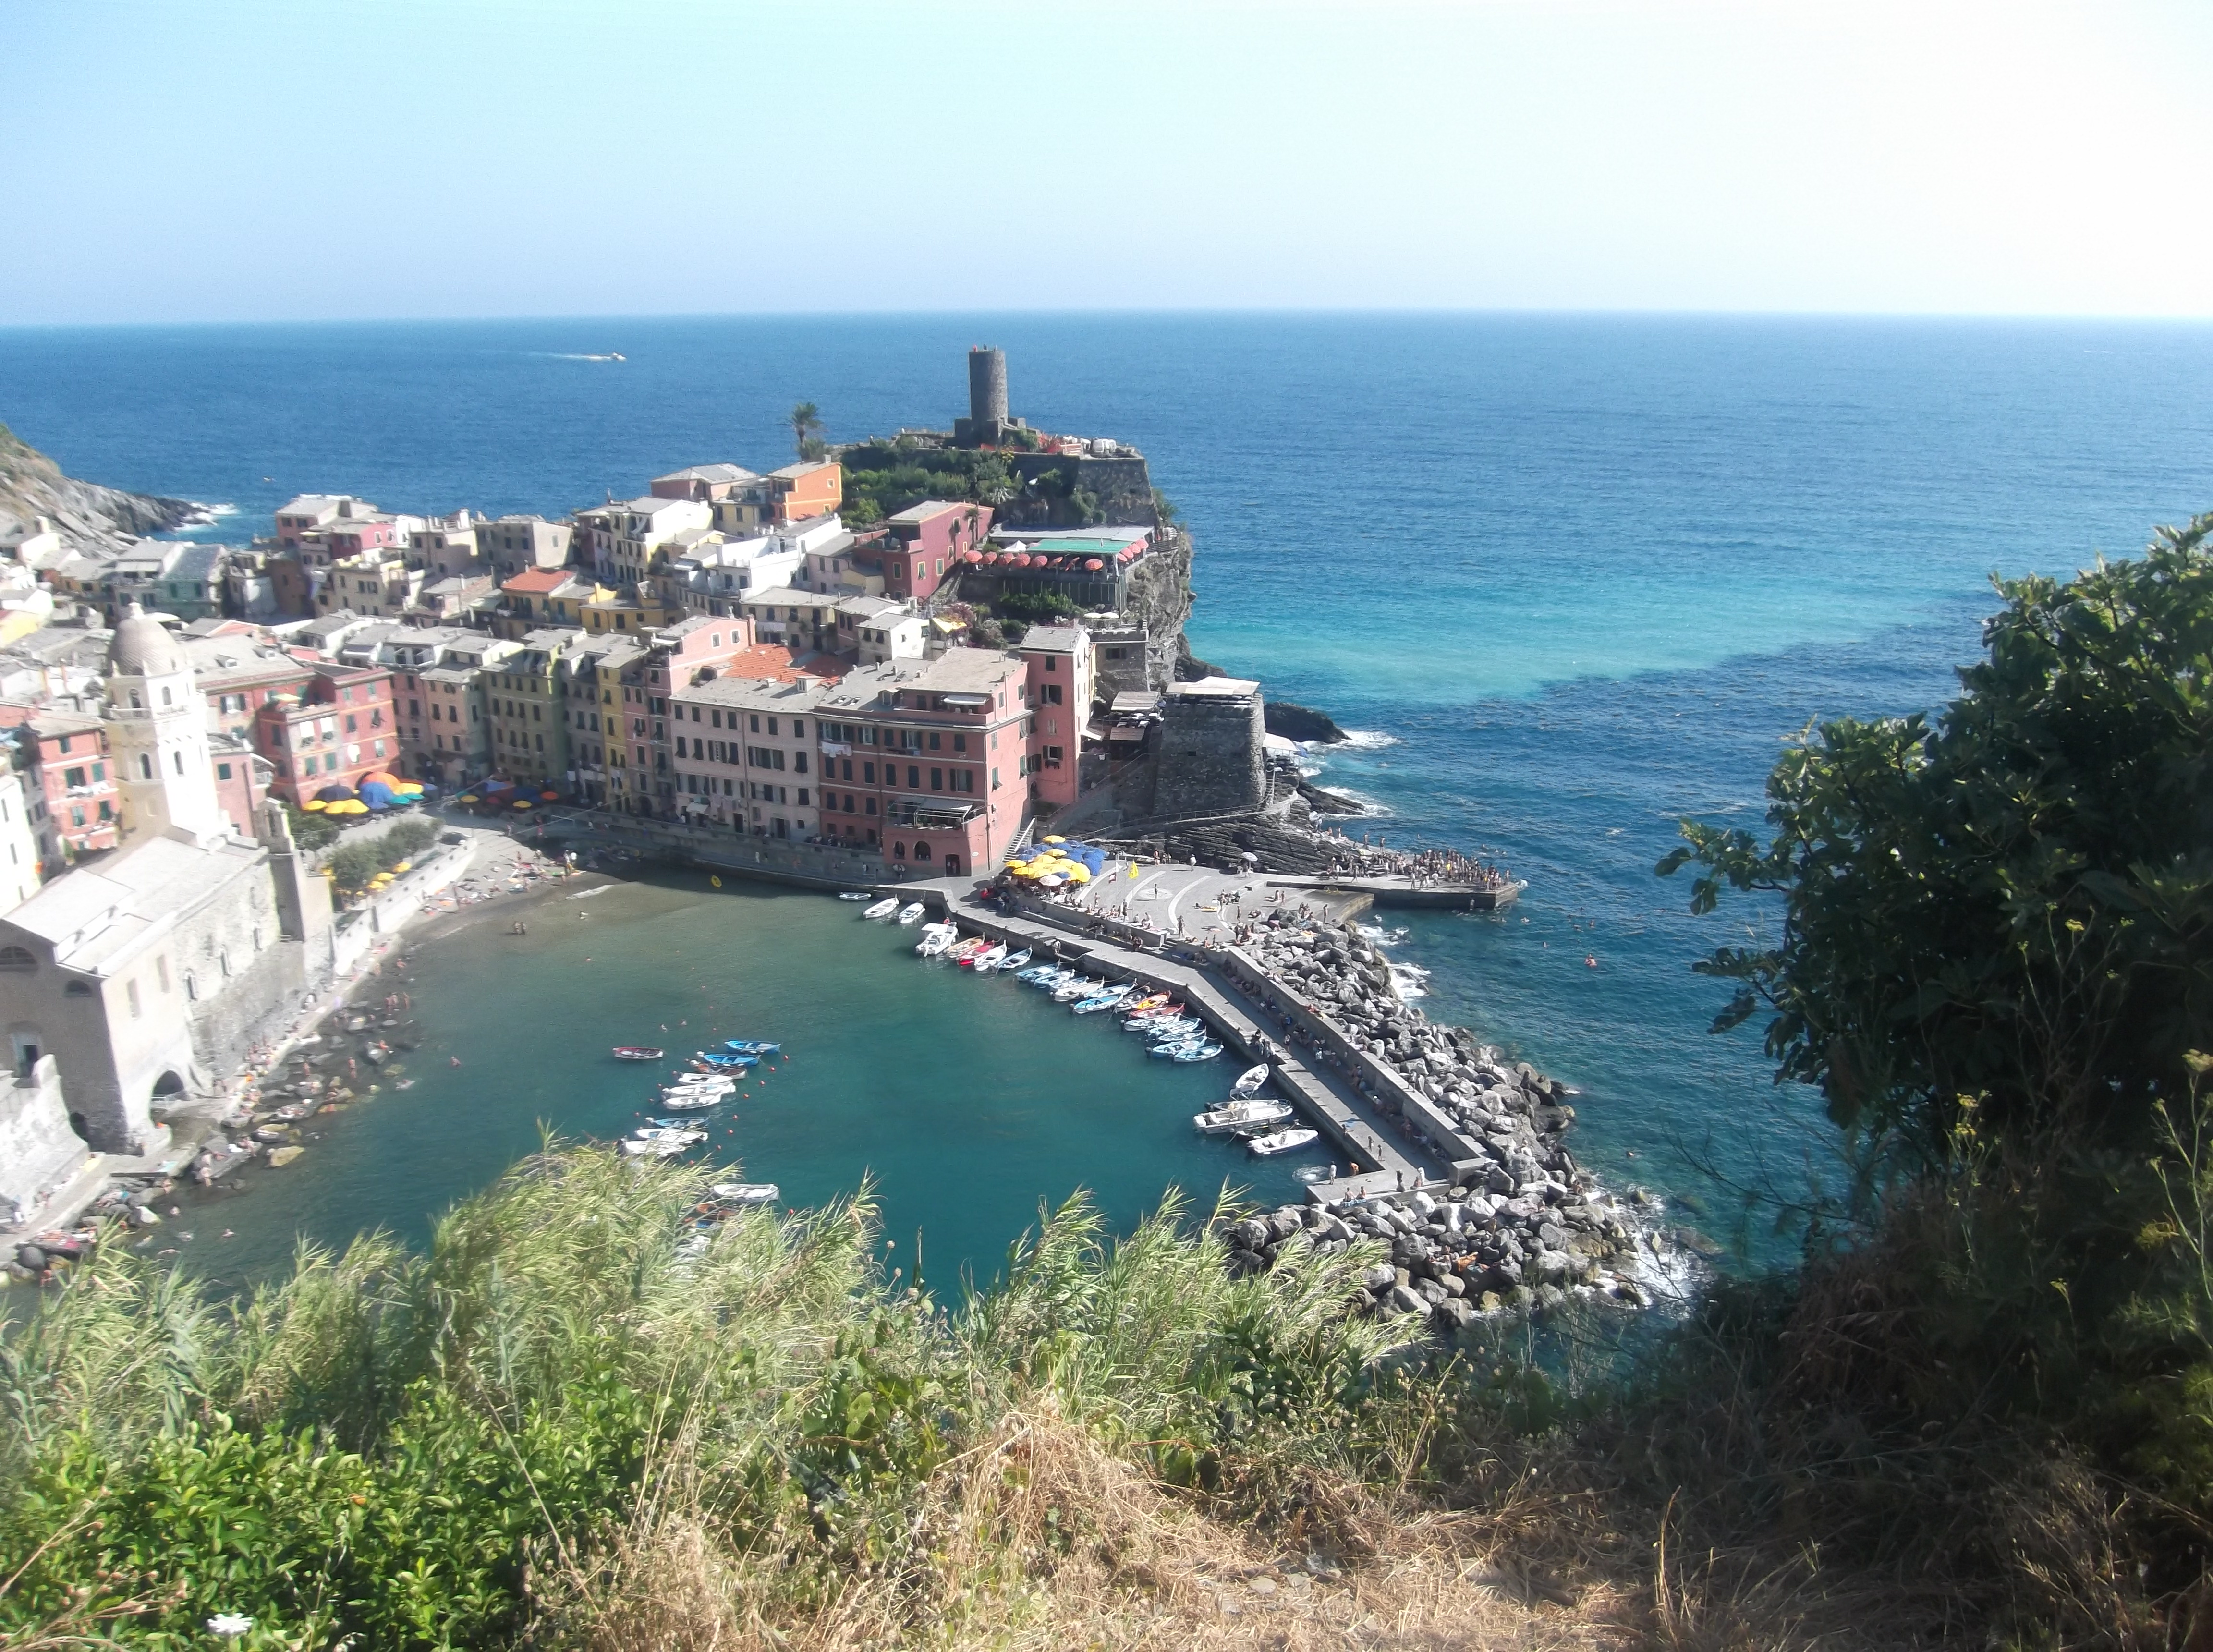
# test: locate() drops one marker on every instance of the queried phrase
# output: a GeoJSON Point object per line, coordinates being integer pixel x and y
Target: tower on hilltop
{"type": "Point", "coordinates": [157, 725]}
{"type": "Point", "coordinates": [988, 420]}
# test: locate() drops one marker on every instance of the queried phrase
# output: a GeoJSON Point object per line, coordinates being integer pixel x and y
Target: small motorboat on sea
{"type": "Point", "coordinates": [722, 1058]}
{"type": "Point", "coordinates": [1283, 1141]}
{"type": "Point", "coordinates": [1014, 960]}
{"type": "Point", "coordinates": [746, 1192]}
{"type": "Point", "coordinates": [1098, 1001]}
{"type": "Point", "coordinates": [1196, 1051]}
{"type": "Point", "coordinates": [656, 1147]}
{"type": "Point", "coordinates": [1174, 1031]}
{"type": "Point", "coordinates": [675, 1130]}
{"type": "Point", "coordinates": [884, 908]}
{"type": "Point", "coordinates": [752, 1046]}
{"type": "Point", "coordinates": [965, 953]}
{"type": "Point", "coordinates": [911, 913]}
{"type": "Point", "coordinates": [986, 961]}
{"type": "Point", "coordinates": [1250, 1080]}
{"type": "Point", "coordinates": [1240, 1115]}
{"type": "Point", "coordinates": [1081, 986]}
{"type": "Point", "coordinates": [693, 1101]}
{"type": "Point", "coordinates": [851, 894]}
{"type": "Point", "coordinates": [937, 940]}
{"type": "Point", "coordinates": [639, 1052]}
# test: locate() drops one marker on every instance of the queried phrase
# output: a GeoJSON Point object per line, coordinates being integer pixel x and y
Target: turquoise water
{"type": "Point", "coordinates": [966, 1100]}
{"type": "Point", "coordinates": [1578, 575]}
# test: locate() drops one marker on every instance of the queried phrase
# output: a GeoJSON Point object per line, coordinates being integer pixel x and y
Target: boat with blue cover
{"type": "Point", "coordinates": [752, 1046]}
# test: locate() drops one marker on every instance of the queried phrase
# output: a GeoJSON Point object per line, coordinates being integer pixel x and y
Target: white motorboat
{"type": "Point", "coordinates": [1196, 1050]}
{"type": "Point", "coordinates": [693, 1101]}
{"type": "Point", "coordinates": [911, 913]}
{"type": "Point", "coordinates": [937, 939]}
{"type": "Point", "coordinates": [850, 895]}
{"type": "Point", "coordinates": [1174, 1031]}
{"type": "Point", "coordinates": [747, 1192]}
{"type": "Point", "coordinates": [683, 1133]}
{"type": "Point", "coordinates": [1283, 1141]}
{"type": "Point", "coordinates": [1099, 1001]}
{"type": "Point", "coordinates": [1242, 1115]}
{"type": "Point", "coordinates": [1082, 987]}
{"type": "Point", "coordinates": [1250, 1080]}
{"type": "Point", "coordinates": [655, 1147]}
{"type": "Point", "coordinates": [988, 959]}
{"type": "Point", "coordinates": [883, 908]}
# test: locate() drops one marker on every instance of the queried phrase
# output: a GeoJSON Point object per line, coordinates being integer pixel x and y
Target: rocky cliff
{"type": "Point", "coordinates": [87, 516]}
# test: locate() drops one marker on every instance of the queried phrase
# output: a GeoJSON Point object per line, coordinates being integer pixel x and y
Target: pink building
{"type": "Point", "coordinates": [926, 759]}
{"type": "Point", "coordinates": [924, 540]}
{"type": "Point", "coordinates": [1058, 659]}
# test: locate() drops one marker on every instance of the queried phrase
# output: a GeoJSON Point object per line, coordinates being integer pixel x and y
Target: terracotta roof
{"type": "Point", "coordinates": [538, 582]}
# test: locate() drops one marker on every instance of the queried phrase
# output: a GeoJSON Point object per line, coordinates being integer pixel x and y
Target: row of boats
{"type": "Point", "coordinates": [889, 907]}
{"type": "Point", "coordinates": [706, 1086]}
{"type": "Point", "coordinates": [1172, 1032]}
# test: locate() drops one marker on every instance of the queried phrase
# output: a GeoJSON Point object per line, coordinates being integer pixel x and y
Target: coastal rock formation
{"type": "Point", "coordinates": [85, 514]}
{"type": "Point", "coordinates": [1160, 600]}
{"type": "Point", "coordinates": [1302, 722]}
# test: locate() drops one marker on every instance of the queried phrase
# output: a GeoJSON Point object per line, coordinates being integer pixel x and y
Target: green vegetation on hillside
{"type": "Point", "coordinates": [1995, 958]}
{"type": "Point", "coordinates": [885, 477]}
{"type": "Point", "coordinates": [578, 1404]}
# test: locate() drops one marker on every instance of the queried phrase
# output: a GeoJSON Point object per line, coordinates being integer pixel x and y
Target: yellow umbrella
{"type": "Point", "coordinates": [314, 803]}
{"type": "Point", "coordinates": [468, 797]}
{"type": "Point", "coordinates": [522, 806]}
{"type": "Point", "coordinates": [1078, 874]}
{"type": "Point", "coordinates": [404, 866]}
{"type": "Point", "coordinates": [1011, 864]}
{"type": "Point", "coordinates": [1056, 841]}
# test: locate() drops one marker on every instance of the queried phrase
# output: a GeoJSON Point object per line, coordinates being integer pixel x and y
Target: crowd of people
{"type": "Point", "coordinates": [1423, 868]}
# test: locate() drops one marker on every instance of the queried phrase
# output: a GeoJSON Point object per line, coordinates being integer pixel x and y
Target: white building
{"type": "Point", "coordinates": [626, 536]}
{"type": "Point", "coordinates": [19, 843]}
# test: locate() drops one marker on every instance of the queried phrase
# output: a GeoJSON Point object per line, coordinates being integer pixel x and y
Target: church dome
{"type": "Point", "coordinates": [143, 647]}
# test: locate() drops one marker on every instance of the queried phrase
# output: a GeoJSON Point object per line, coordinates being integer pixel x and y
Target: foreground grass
{"type": "Point", "coordinates": [571, 1423]}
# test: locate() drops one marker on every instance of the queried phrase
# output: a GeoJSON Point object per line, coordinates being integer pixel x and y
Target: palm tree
{"type": "Point", "coordinates": [806, 420]}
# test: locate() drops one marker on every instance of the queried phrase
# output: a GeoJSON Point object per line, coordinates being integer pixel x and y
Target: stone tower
{"type": "Point", "coordinates": [157, 734]}
{"type": "Point", "coordinates": [987, 392]}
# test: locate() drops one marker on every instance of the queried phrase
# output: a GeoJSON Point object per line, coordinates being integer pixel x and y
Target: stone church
{"type": "Point", "coordinates": [147, 973]}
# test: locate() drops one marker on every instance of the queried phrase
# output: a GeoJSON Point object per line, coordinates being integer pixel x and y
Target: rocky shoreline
{"type": "Point", "coordinates": [1527, 1226]}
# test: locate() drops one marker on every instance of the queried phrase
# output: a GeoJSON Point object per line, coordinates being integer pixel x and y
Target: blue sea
{"type": "Point", "coordinates": [1568, 578]}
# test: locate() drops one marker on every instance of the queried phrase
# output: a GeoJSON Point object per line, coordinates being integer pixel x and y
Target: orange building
{"type": "Point", "coordinates": [811, 488]}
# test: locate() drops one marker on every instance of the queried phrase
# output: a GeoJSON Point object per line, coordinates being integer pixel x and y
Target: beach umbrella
{"type": "Point", "coordinates": [380, 778]}
{"type": "Point", "coordinates": [1050, 880]}
{"type": "Point", "coordinates": [1093, 563]}
{"type": "Point", "coordinates": [1078, 874]}
{"type": "Point", "coordinates": [376, 794]}
{"type": "Point", "coordinates": [351, 806]}
{"type": "Point", "coordinates": [468, 797]}
{"type": "Point", "coordinates": [335, 793]}
{"type": "Point", "coordinates": [551, 796]}
{"type": "Point", "coordinates": [1056, 841]}
{"type": "Point", "coordinates": [404, 866]}
{"type": "Point", "coordinates": [522, 802]}
{"type": "Point", "coordinates": [315, 805]}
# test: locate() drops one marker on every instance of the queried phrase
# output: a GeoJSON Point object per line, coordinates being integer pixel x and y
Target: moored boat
{"type": "Point", "coordinates": [693, 1101]}
{"type": "Point", "coordinates": [747, 1192]}
{"type": "Point", "coordinates": [1250, 1080]}
{"type": "Point", "coordinates": [1081, 987]}
{"type": "Point", "coordinates": [884, 908]}
{"type": "Point", "coordinates": [1015, 961]}
{"type": "Point", "coordinates": [752, 1046]}
{"type": "Point", "coordinates": [851, 894]}
{"type": "Point", "coordinates": [1099, 1001]}
{"type": "Point", "coordinates": [1242, 1115]}
{"type": "Point", "coordinates": [937, 940]}
{"type": "Point", "coordinates": [986, 961]}
{"type": "Point", "coordinates": [639, 1052]}
{"type": "Point", "coordinates": [1197, 1050]}
{"type": "Point", "coordinates": [654, 1147]}
{"type": "Point", "coordinates": [1283, 1141]}
{"type": "Point", "coordinates": [722, 1058]}
{"type": "Point", "coordinates": [911, 912]}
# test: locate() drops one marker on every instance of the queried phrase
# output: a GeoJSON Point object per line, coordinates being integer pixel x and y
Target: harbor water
{"type": "Point", "coordinates": [965, 1099]}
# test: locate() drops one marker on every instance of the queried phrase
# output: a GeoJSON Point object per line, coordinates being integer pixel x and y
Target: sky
{"type": "Point", "coordinates": [266, 160]}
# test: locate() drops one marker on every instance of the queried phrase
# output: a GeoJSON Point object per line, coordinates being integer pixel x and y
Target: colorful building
{"type": "Point", "coordinates": [527, 695]}
{"type": "Point", "coordinates": [341, 725]}
{"type": "Point", "coordinates": [1058, 662]}
{"type": "Point", "coordinates": [922, 542]}
{"type": "Point", "coordinates": [810, 488]}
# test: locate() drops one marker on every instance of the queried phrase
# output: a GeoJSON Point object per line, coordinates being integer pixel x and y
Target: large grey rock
{"type": "Point", "coordinates": [1402, 1299]}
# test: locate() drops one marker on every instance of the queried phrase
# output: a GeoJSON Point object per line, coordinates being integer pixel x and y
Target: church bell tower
{"type": "Point", "coordinates": [157, 729]}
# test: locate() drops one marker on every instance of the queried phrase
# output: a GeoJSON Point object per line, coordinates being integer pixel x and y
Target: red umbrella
{"type": "Point", "coordinates": [991, 556]}
{"type": "Point", "coordinates": [972, 556]}
{"type": "Point", "coordinates": [1093, 563]}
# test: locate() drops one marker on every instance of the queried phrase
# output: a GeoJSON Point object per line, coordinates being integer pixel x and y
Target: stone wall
{"type": "Point", "coordinates": [1210, 760]}
{"type": "Point", "coordinates": [38, 1151]}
